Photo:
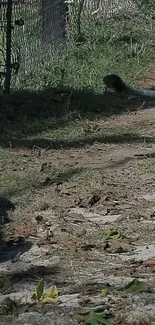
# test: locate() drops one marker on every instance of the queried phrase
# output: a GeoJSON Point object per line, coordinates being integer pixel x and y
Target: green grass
{"type": "Point", "coordinates": [122, 45]}
{"type": "Point", "coordinates": [16, 174]}
{"type": "Point", "coordinates": [84, 67]}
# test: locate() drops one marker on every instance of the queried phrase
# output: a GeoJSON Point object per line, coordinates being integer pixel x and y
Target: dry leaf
{"type": "Point", "coordinates": [49, 300]}
{"type": "Point", "coordinates": [115, 246]}
{"type": "Point", "coordinates": [52, 293]}
{"type": "Point", "coordinates": [150, 261]}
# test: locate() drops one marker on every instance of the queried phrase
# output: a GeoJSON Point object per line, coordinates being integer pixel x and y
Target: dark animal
{"type": "Point", "coordinates": [115, 83]}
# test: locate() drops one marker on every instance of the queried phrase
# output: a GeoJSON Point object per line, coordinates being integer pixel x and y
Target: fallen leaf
{"type": "Point", "coordinates": [112, 234]}
{"type": "Point", "coordinates": [137, 286]}
{"type": "Point", "coordinates": [49, 300]}
{"type": "Point", "coordinates": [115, 246]}
{"type": "Point", "coordinates": [51, 293]}
{"type": "Point", "coordinates": [104, 292]}
{"type": "Point", "coordinates": [150, 261]}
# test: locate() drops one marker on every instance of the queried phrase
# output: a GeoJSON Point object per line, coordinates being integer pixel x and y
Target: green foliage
{"type": "Point", "coordinates": [104, 292]}
{"type": "Point", "coordinates": [112, 234]}
{"type": "Point", "coordinates": [47, 297]}
{"type": "Point", "coordinates": [5, 285]}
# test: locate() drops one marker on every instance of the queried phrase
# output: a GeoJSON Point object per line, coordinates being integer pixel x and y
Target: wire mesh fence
{"type": "Point", "coordinates": [39, 29]}
{"type": "Point", "coordinates": [43, 30]}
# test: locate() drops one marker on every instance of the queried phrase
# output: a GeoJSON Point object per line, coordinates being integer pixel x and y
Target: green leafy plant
{"type": "Point", "coordinates": [92, 318]}
{"type": "Point", "coordinates": [104, 292]}
{"type": "Point", "coordinates": [137, 286]}
{"type": "Point", "coordinates": [112, 234]}
{"type": "Point", "coordinates": [49, 296]}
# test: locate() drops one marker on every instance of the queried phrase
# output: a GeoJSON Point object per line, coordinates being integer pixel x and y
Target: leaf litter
{"type": "Point", "coordinates": [93, 213]}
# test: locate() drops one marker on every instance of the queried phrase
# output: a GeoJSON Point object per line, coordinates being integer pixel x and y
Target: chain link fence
{"type": "Point", "coordinates": [37, 27]}
{"type": "Point", "coordinates": [33, 32]}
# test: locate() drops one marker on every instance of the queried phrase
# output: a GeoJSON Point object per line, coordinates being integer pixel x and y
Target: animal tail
{"type": "Point", "coordinates": [115, 83]}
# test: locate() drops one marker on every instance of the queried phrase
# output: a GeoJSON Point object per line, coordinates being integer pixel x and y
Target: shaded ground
{"type": "Point", "coordinates": [68, 186]}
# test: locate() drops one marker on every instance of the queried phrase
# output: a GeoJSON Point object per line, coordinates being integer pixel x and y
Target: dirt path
{"type": "Point", "coordinates": [61, 234]}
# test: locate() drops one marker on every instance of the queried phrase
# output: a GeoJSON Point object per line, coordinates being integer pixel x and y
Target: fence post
{"type": "Point", "coordinates": [8, 47]}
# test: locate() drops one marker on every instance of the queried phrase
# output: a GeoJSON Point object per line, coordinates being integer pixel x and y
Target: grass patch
{"type": "Point", "coordinates": [71, 134]}
{"type": "Point", "coordinates": [121, 45]}
{"type": "Point", "coordinates": [83, 67]}
{"type": "Point", "coordinates": [16, 174]}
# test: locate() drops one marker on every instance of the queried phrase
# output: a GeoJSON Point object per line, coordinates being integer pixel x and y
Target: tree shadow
{"type": "Point", "coordinates": [48, 144]}
{"type": "Point", "coordinates": [28, 113]}
{"type": "Point", "coordinates": [9, 248]}
{"type": "Point", "coordinates": [5, 206]}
